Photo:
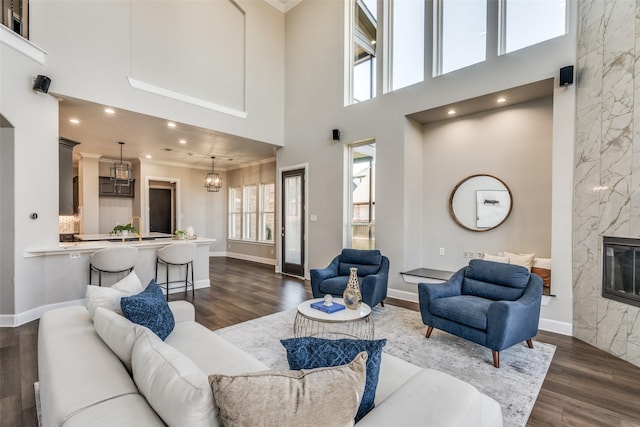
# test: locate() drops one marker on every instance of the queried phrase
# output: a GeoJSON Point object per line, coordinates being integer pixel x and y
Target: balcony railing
{"type": "Point", "coordinates": [15, 16]}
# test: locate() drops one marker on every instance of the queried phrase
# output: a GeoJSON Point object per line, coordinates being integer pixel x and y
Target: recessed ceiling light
{"type": "Point", "coordinates": [171, 124]}
{"type": "Point", "coordinates": [148, 156]}
{"type": "Point", "coordinates": [109, 110]}
{"type": "Point", "coordinates": [74, 121]}
{"type": "Point", "coordinates": [183, 141]}
{"type": "Point", "coordinates": [501, 100]}
{"type": "Point", "coordinates": [451, 112]}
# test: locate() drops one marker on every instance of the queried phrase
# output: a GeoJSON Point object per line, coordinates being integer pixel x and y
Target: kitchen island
{"type": "Point", "coordinates": [113, 238]}
{"type": "Point", "coordinates": [66, 265]}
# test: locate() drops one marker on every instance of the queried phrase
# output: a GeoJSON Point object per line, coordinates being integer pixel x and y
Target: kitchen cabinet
{"type": "Point", "coordinates": [65, 176]}
{"type": "Point", "coordinates": [108, 189]}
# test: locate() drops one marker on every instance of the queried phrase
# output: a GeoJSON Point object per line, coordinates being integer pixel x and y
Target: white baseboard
{"type": "Point", "coordinates": [13, 320]}
{"type": "Point", "coordinates": [268, 261]}
{"type": "Point", "coordinates": [403, 295]}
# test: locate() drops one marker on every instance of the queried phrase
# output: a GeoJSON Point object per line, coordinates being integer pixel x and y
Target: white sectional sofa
{"type": "Point", "coordinates": [82, 382]}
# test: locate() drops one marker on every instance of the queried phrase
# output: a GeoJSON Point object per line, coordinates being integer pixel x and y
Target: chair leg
{"type": "Point", "coordinates": [186, 280]}
{"type": "Point", "coordinates": [382, 303]}
{"type": "Point", "coordinates": [429, 330]}
{"type": "Point", "coordinates": [167, 267]}
{"type": "Point", "coordinates": [530, 343]}
{"type": "Point", "coordinates": [193, 283]}
{"type": "Point", "coordinates": [496, 358]}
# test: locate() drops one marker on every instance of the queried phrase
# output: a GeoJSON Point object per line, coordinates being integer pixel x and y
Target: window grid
{"type": "Point", "coordinates": [267, 211]}
{"type": "Point", "coordinates": [235, 213]}
{"type": "Point", "coordinates": [249, 212]}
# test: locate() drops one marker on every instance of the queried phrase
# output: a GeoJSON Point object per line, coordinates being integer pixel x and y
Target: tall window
{"type": "Point", "coordinates": [461, 34]}
{"type": "Point", "coordinates": [249, 212]}
{"type": "Point", "coordinates": [267, 211]}
{"type": "Point", "coordinates": [407, 47]}
{"type": "Point", "coordinates": [235, 213]}
{"type": "Point", "coordinates": [362, 195]}
{"type": "Point", "coordinates": [365, 30]}
{"type": "Point", "coordinates": [528, 22]}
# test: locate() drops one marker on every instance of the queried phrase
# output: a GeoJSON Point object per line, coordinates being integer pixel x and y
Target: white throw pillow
{"type": "Point", "coordinates": [495, 258]}
{"type": "Point", "coordinates": [172, 384]}
{"type": "Point", "coordinates": [525, 260]}
{"type": "Point", "coordinates": [118, 333]}
{"type": "Point", "coordinates": [109, 297]}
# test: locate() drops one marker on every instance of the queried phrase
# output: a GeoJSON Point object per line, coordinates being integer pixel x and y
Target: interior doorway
{"type": "Point", "coordinates": [162, 207]}
{"type": "Point", "coordinates": [293, 222]}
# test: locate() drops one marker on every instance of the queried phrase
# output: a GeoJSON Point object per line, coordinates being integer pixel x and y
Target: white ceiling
{"type": "Point", "coordinates": [99, 132]}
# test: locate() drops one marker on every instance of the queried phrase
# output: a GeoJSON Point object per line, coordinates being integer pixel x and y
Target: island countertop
{"type": "Point", "coordinates": [114, 238]}
{"type": "Point", "coordinates": [94, 245]}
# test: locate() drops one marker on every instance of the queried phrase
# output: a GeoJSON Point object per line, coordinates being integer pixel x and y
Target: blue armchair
{"type": "Point", "coordinates": [373, 274]}
{"type": "Point", "coordinates": [492, 304]}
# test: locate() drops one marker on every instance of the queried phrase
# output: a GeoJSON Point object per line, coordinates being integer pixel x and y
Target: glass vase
{"type": "Point", "coordinates": [352, 296]}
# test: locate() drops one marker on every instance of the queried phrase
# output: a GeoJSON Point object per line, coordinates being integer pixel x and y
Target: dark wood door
{"type": "Point", "coordinates": [293, 228]}
{"type": "Point", "coordinates": [160, 210]}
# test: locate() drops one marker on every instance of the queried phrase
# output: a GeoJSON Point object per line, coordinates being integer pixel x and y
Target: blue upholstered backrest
{"type": "Point", "coordinates": [495, 280]}
{"type": "Point", "coordinates": [366, 261]}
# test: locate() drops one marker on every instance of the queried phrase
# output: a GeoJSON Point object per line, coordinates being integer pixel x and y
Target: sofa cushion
{"type": "Point", "coordinates": [109, 296]}
{"type": "Point", "coordinates": [150, 308]}
{"type": "Point", "coordinates": [172, 384]}
{"type": "Point", "coordinates": [117, 332]}
{"type": "Point", "coordinates": [465, 309]}
{"type": "Point", "coordinates": [323, 396]}
{"type": "Point", "coordinates": [334, 285]}
{"type": "Point", "coordinates": [311, 352]}
{"type": "Point", "coordinates": [366, 261]}
{"type": "Point", "coordinates": [433, 398]}
{"type": "Point", "coordinates": [494, 280]}
{"type": "Point", "coordinates": [127, 410]}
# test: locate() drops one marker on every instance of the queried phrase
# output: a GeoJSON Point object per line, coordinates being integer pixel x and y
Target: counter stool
{"type": "Point", "coordinates": [118, 259]}
{"type": "Point", "coordinates": [177, 254]}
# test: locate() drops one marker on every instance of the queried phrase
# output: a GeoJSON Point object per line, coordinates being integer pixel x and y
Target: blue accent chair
{"type": "Point", "coordinates": [492, 304]}
{"type": "Point", "coordinates": [373, 274]}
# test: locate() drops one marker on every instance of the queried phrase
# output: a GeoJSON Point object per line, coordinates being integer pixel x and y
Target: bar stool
{"type": "Point", "coordinates": [177, 254]}
{"type": "Point", "coordinates": [118, 259]}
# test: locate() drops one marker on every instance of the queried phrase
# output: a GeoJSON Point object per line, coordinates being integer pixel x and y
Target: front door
{"type": "Point", "coordinates": [293, 222]}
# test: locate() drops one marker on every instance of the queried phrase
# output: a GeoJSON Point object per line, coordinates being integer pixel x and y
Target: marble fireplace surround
{"type": "Point", "coordinates": [607, 167]}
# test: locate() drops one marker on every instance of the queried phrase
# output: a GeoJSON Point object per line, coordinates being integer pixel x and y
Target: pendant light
{"type": "Point", "coordinates": [120, 172]}
{"type": "Point", "coordinates": [213, 182]}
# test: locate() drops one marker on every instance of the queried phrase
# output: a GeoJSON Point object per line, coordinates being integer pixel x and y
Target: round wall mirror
{"type": "Point", "coordinates": [480, 202]}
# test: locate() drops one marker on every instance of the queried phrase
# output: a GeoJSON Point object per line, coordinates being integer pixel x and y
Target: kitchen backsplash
{"type": "Point", "coordinates": [67, 224]}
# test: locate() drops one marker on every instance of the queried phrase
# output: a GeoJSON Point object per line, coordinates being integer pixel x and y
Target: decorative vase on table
{"type": "Point", "coordinates": [352, 295]}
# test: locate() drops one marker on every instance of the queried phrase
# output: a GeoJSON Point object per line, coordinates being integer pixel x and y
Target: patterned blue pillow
{"type": "Point", "coordinates": [310, 353]}
{"type": "Point", "coordinates": [149, 308]}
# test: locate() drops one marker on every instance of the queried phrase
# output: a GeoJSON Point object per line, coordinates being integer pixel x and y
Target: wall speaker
{"type": "Point", "coordinates": [41, 83]}
{"type": "Point", "coordinates": [566, 75]}
{"type": "Point", "coordinates": [335, 134]}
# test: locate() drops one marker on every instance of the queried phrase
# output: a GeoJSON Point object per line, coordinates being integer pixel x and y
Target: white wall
{"type": "Point", "coordinates": [94, 47]}
{"type": "Point", "coordinates": [314, 106]}
{"type": "Point", "coordinates": [7, 206]}
{"type": "Point", "coordinates": [512, 143]}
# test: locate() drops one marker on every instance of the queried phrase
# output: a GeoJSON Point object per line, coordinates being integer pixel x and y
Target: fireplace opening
{"type": "Point", "coordinates": [621, 270]}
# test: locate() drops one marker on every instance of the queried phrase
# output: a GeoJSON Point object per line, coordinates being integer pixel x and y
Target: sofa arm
{"type": "Point", "coordinates": [450, 288]}
{"type": "Point", "coordinates": [183, 311]}
{"type": "Point", "coordinates": [320, 274]}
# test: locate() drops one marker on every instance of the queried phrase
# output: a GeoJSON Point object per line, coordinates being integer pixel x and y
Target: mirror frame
{"type": "Point", "coordinates": [453, 193]}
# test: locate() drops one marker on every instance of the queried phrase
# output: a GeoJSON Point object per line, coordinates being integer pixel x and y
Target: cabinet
{"type": "Point", "coordinates": [108, 189]}
{"type": "Point", "coordinates": [65, 176]}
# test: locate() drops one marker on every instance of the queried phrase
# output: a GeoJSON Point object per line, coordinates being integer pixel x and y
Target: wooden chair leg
{"type": "Point", "coordinates": [429, 330]}
{"type": "Point", "coordinates": [496, 358]}
{"type": "Point", "coordinates": [530, 343]}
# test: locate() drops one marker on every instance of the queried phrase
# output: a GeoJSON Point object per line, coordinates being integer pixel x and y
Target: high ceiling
{"type": "Point", "coordinates": [99, 132]}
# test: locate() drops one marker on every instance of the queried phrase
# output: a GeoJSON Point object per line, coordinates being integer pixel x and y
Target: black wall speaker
{"type": "Point", "coordinates": [566, 75]}
{"type": "Point", "coordinates": [41, 84]}
{"type": "Point", "coordinates": [335, 134]}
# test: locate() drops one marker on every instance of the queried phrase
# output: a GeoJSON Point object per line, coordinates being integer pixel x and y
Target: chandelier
{"type": "Point", "coordinates": [213, 182]}
{"type": "Point", "coordinates": [120, 173]}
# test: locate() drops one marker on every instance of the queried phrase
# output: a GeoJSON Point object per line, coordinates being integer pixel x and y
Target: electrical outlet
{"type": "Point", "coordinates": [465, 254]}
{"type": "Point", "coordinates": [74, 255]}
{"type": "Point", "coordinates": [441, 251]}
{"type": "Point", "coordinates": [479, 254]}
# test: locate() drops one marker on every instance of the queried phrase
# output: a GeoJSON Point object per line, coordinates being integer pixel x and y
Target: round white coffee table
{"type": "Point", "coordinates": [345, 323]}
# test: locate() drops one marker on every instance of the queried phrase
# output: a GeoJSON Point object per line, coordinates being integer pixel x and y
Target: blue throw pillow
{"type": "Point", "coordinates": [149, 308]}
{"type": "Point", "coordinates": [310, 353]}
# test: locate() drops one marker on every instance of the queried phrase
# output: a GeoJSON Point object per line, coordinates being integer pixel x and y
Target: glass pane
{"type": "Point", "coordinates": [408, 43]}
{"type": "Point", "coordinates": [363, 196]}
{"type": "Point", "coordinates": [464, 33]}
{"type": "Point", "coordinates": [533, 21]}
{"type": "Point", "coordinates": [268, 223]}
{"type": "Point", "coordinates": [293, 219]}
{"type": "Point", "coordinates": [365, 32]}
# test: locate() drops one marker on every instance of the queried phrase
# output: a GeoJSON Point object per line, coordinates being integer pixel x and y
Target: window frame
{"type": "Point", "coordinates": [349, 211]}
{"type": "Point", "coordinates": [234, 216]}
{"type": "Point", "coordinates": [262, 212]}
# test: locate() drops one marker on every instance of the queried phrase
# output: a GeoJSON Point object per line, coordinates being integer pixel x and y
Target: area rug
{"type": "Point", "coordinates": [515, 385]}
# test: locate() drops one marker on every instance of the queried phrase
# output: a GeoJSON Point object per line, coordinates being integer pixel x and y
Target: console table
{"type": "Point", "coordinates": [426, 275]}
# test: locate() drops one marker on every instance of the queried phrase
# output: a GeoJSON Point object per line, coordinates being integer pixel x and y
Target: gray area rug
{"type": "Point", "coordinates": [515, 385]}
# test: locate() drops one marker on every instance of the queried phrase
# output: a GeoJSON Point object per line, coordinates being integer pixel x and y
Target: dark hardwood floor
{"type": "Point", "coordinates": [584, 387]}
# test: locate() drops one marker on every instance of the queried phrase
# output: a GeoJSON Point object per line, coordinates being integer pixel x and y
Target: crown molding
{"type": "Point", "coordinates": [283, 6]}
